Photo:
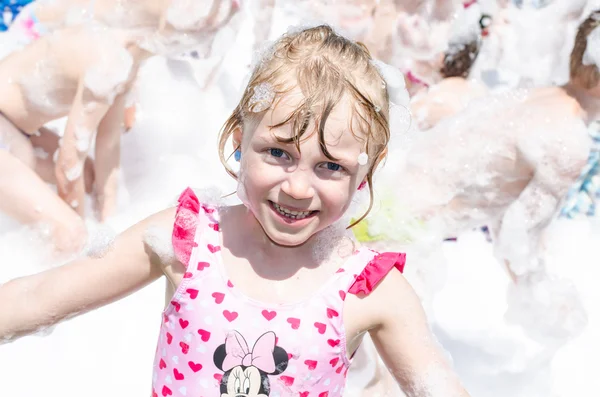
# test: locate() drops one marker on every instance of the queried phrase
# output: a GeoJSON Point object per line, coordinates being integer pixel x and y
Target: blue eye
{"type": "Point", "coordinates": [276, 152]}
{"type": "Point", "coordinates": [333, 166]}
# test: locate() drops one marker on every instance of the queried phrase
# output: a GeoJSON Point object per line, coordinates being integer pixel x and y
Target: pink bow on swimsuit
{"type": "Point", "coordinates": [260, 357]}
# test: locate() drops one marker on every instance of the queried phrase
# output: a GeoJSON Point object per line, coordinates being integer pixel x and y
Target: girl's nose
{"type": "Point", "coordinates": [298, 185]}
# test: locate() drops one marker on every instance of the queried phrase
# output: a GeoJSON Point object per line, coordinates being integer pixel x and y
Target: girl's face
{"type": "Point", "coordinates": [293, 194]}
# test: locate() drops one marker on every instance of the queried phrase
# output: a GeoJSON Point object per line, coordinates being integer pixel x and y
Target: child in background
{"type": "Point", "coordinates": [266, 298]}
{"type": "Point", "coordinates": [84, 72]}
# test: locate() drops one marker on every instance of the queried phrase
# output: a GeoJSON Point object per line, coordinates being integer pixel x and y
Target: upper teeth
{"type": "Point", "coordinates": [297, 214]}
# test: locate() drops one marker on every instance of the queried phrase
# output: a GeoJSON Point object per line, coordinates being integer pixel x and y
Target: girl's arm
{"type": "Point", "coordinates": [31, 303]}
{"type": "Point", "coordinates": [406, 344]}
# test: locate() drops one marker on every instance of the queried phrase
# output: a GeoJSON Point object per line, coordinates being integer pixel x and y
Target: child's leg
{"type": "Point", "coordinates": [30, 200]}
{"type": "Point", "coordinates": [130, 117]}
{"type": "Point", "coordinates": [46, 144]}
{"type": "Point", "coordinates": [108, 157]}
{"type": "Point", "coordinates": [26, 197]}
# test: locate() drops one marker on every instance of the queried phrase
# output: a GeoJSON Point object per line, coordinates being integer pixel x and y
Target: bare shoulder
{"type": "Point", "coordinates": [392, 297]}
{"type": "Point", "coordinates": [393, 292]}
{"type": "Point", "coordinates": [555, 101]}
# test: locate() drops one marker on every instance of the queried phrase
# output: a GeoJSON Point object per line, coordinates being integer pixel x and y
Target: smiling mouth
{"type": "Point", "coordinates": [291, 214]}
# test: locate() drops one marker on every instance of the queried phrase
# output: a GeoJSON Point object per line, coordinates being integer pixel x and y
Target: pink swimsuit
{"type": "Point", "coordinates": [216, 342]}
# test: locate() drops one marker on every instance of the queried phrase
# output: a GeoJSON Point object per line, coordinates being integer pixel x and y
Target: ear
{"type": "Point", "coordinates": [237, 137]}
{"type": "Point", "coordinates": [281, 360]}
{"type": "Point", "coordinates": [219, 356]}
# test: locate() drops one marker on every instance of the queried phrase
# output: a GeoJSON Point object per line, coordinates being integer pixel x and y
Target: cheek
{"type": "Point", "coordinates": [258, 176]}
{"type": "Point", "coordinates": [336, 199]}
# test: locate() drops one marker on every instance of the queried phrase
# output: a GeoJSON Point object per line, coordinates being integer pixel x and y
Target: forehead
{"type": "Point", "coordinates": [341, 127]}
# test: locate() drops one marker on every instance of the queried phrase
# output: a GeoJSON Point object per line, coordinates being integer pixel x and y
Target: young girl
{"type": "Point", "coordinates": [262, 300]}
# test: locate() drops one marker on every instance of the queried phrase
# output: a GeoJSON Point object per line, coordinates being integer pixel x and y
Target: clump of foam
{"type": "Point", "coordinates": [159, 240]}
{"type": "Point", "coordinates": [186, 14]}
{"type": "Point", "coordinates": [465, 28]}
{"type": "Point", "coordinates": [548, 307]}
{"type": "Point", "coordinates": [83, 138]}
{"type": "Point", "coordinates": [74, 172]}
{"type": "Point", "coordinates": [394, 81]}
{"type": "Point", "coordinates": [333, 243]}
{"type": "Point", "coordinates": [40, 153]}
{"type": "Point", "coordinates": [101, 238]}
{"type": "Point", "coordinates": [106, 77]}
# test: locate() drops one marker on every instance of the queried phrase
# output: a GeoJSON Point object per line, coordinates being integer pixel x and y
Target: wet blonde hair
{"type": "Point", "coordinates": [587, 76]}
{"type": "Point", "coordinates": [325, 66]}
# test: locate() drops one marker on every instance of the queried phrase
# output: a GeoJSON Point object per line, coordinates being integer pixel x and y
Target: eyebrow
{"type": "Point", "coordinates": [341, 158]}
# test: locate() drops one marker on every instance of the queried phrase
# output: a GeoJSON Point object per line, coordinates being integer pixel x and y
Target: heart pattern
{"type": "Point", "coordinates": [204, 335]}
{"type": "Point", "coordinates": [183, 323]}
{"type": "Point", "coordinates": [230, 316]}
{"type": "Point", "coordinates": [321, 327]}
{"type": "Point", "coordinates": [311, 364]}
{"type": "Point", "coordinates": [219, 297]}
{"type": "Point", "coordinates": [332, 313]}
{"type": "Point", "coordinates": [195, 366]}
{"type": "Point", "coordinates": [185, 348]}
{"type": "Point", "coordinates": [213, 248]}
{"type": "Point", "coordinates": [269, 315]}
{"type": "Point", "coordinates": [287, 380]}
{"type": "Point", "coordinates": [206, 309]}
{"type": "Point", "coordinates": [178, 375]}
{"type": "Point", "coordinates": [294, 322]}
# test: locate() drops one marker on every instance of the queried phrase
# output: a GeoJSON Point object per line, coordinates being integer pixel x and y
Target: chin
{"type": "Point", "coordinates": [287, 240]}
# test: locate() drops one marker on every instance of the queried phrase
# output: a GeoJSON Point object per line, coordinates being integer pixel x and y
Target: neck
{"type": "Point", "coordinates": [262, 250]}
{"type": "Point", "coordinates": [589, 102]}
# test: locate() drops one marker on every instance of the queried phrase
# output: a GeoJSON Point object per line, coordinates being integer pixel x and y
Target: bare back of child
{"type": "Point", "coordinates": [79, 72]}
